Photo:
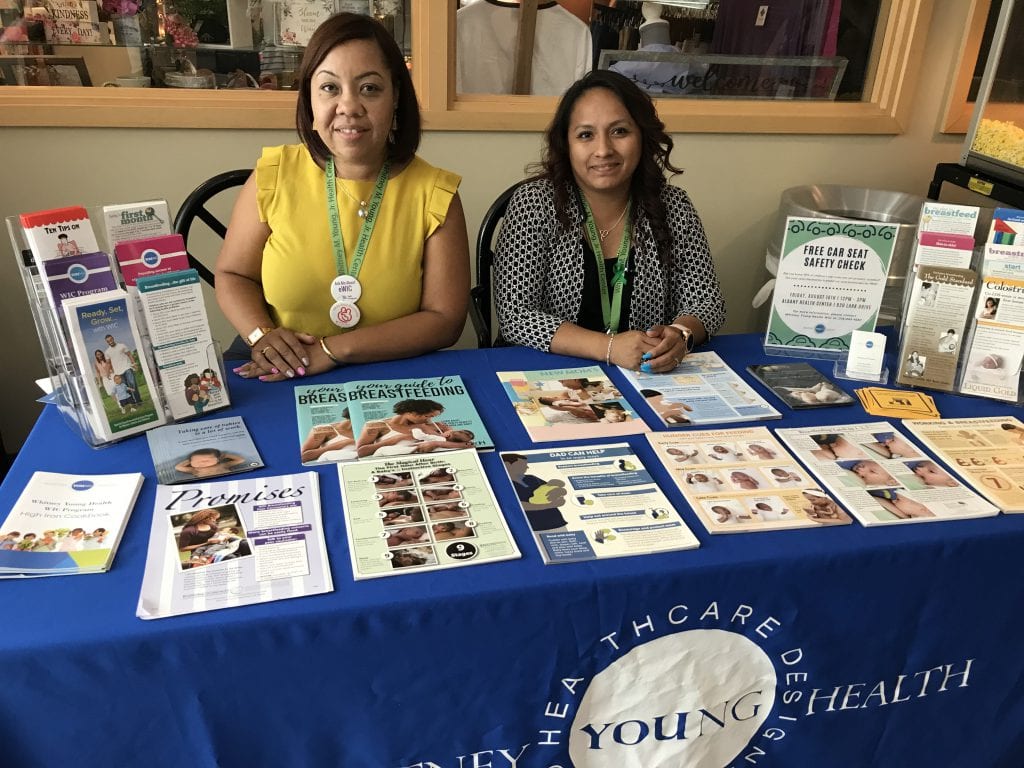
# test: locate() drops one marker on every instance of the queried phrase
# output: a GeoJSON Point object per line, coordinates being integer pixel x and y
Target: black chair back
{"type": "Point", "coordinates": [480, 295]}
{"type": "Point", "coordinates": [194, 208]}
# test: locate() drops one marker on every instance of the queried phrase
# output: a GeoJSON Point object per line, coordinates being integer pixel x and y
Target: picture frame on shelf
{"type": "Point", "coordinates": [216, 23]}
{"type": "Point", "coordinates": [239, 26]}
{"type": "Point", "coordinates": [45, 70]}
{"type": "Point", "coordinates": [298, 19]}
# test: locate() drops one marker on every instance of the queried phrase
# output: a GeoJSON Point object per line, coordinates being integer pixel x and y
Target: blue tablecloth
{"type": "Point", "coordinates": [840, 647]}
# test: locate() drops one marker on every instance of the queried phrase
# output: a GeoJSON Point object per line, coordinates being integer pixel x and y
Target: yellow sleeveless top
{"type": "Point", "coordinates": [298, 259]}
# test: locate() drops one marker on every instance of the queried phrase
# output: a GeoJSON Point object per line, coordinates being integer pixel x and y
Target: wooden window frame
{"type": "Point", "coordinates": [891, 78]}
{"type": "Point", "coordinates": [957, 118]}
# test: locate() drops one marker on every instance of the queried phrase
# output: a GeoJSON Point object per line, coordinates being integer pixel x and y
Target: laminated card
{"type": "Point", "coordinates": [742, 480]}
{"type": "Point", "coordinates": [988, 453]}
{"type": "Point", "coordinates": [408, 514]}
{"type": "Point", "coordinates": [594, 502]}
{"type": "Point", "coordinates": [882, 477]}
{"type": "Point", "coordinates": [701, 390]}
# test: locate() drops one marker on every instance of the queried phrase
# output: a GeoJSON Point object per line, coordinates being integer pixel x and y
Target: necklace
{"type": "Point", "coordinates": [361, 212]}
{"type": "Point", "coordinates": [603, 233]}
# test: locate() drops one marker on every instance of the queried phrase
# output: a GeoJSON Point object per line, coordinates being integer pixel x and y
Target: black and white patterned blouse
{"type": "Point", "coordinates": [538, 268]}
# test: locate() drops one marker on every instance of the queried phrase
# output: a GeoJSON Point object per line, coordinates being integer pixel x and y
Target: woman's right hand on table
{"type": "Point", "coordinates": [629, 347]}
{"type": "Point", "coordinates": [281, 353]}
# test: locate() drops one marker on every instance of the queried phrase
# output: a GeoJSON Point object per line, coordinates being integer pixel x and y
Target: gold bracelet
{"type": "Point", "coordinates": [608, 353]}
{"type": "Point", "coordinates": [323, 346]}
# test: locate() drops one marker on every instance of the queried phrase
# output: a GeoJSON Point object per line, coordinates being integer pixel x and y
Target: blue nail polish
{"type": "Point", "coordinates": [646, 367]}
{"type": "Point", "coordinates": [645, 356]}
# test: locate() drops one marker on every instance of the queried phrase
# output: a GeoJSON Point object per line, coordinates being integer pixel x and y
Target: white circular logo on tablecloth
{"type": "Point", "coordinates": [692, 699]}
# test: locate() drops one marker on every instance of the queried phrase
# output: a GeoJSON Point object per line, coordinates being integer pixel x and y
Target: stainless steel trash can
{"type": "Point", "coordinates": [832, 201]}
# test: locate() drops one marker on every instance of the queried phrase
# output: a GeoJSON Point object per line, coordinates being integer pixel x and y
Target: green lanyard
{"type": "Point", "coordinates": [610, 310]}
{"type": "Point", "coordinates": [340, 260]}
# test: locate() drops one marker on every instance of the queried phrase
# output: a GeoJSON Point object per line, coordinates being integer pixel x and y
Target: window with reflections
{"type": "Point", "coordinates": [702, 49]}
{"type": "Point", "coordinates": [191, 44]}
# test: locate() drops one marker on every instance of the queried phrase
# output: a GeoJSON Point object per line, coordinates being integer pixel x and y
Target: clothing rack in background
{"type": "Point", "coordinates": [709, 13]}
{"type": "Point", "coordinates": [627, 14]}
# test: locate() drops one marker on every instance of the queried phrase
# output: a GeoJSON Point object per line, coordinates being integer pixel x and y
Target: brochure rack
{"type": "Point", "coordinates": [68, 380]}
{"type": "Point", "coordinates": [946, 335]}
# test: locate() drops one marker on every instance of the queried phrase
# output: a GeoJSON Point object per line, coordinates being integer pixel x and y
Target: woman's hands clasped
{"type": "Point", "coordinates": [659, 349]}
{"type": "Point", "coordinates": [283, 354]}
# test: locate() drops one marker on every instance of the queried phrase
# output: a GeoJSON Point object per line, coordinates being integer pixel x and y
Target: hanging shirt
{"type": "Point", "coordinates": [486, 48]}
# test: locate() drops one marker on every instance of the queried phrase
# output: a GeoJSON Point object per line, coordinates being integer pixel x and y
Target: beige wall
{"type": "Point", "coordinates": [735, 181]}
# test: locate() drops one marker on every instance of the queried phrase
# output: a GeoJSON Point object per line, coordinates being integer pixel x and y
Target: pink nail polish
{"type": "Point", "coordinates": [274, 371]}
{"type": "Point", "coordinates": [263, 378]}
{"type": "Point", "coordinates": [302, 371]}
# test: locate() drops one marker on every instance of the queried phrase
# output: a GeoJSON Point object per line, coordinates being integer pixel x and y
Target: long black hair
{"type": "Point", "coordinates": [656, 147]}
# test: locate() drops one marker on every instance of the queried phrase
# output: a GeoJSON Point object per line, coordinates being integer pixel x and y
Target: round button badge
{"type": "Point", "coordinates": [346, 288]}
{"type": "Point", "coordinates": [344, 314]}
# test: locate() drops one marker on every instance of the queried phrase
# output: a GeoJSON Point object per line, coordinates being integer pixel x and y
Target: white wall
{"type": "Point", "coordinates": [735, 181]}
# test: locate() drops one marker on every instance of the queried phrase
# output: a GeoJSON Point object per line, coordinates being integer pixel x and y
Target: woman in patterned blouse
{"type": "Point", "coordinates": [599, 256]}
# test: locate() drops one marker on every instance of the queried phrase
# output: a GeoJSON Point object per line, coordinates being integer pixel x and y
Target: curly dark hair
{"type": "Point", "coordinates": [342, 28]}
{"type": "Point", "coordinates": [656, 147]}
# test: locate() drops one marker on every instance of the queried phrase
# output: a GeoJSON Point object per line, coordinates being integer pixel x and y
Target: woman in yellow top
{"type": "Point", "coordinates": [347, 248]}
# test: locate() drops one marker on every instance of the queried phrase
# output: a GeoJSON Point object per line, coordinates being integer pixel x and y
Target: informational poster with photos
{"type": "Point", "coordinates": [570, 404]}
{"type": "Point", "coordinates": [882, 477]}
{"type": "Point", "coordinates": [988, 453]}
{"type": "Point", "coordinates": [702, 389]}
{"type": "Point", "coordinates": [594, 502]}
{"type": "Point", "coordinates": [234, 542]}
{"type": "Point", "coordinates": [421, 512]}
{"type": "Point", "coordinates": [741, 480]}
{"type": "Point", "coordinates": [832, 274]}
